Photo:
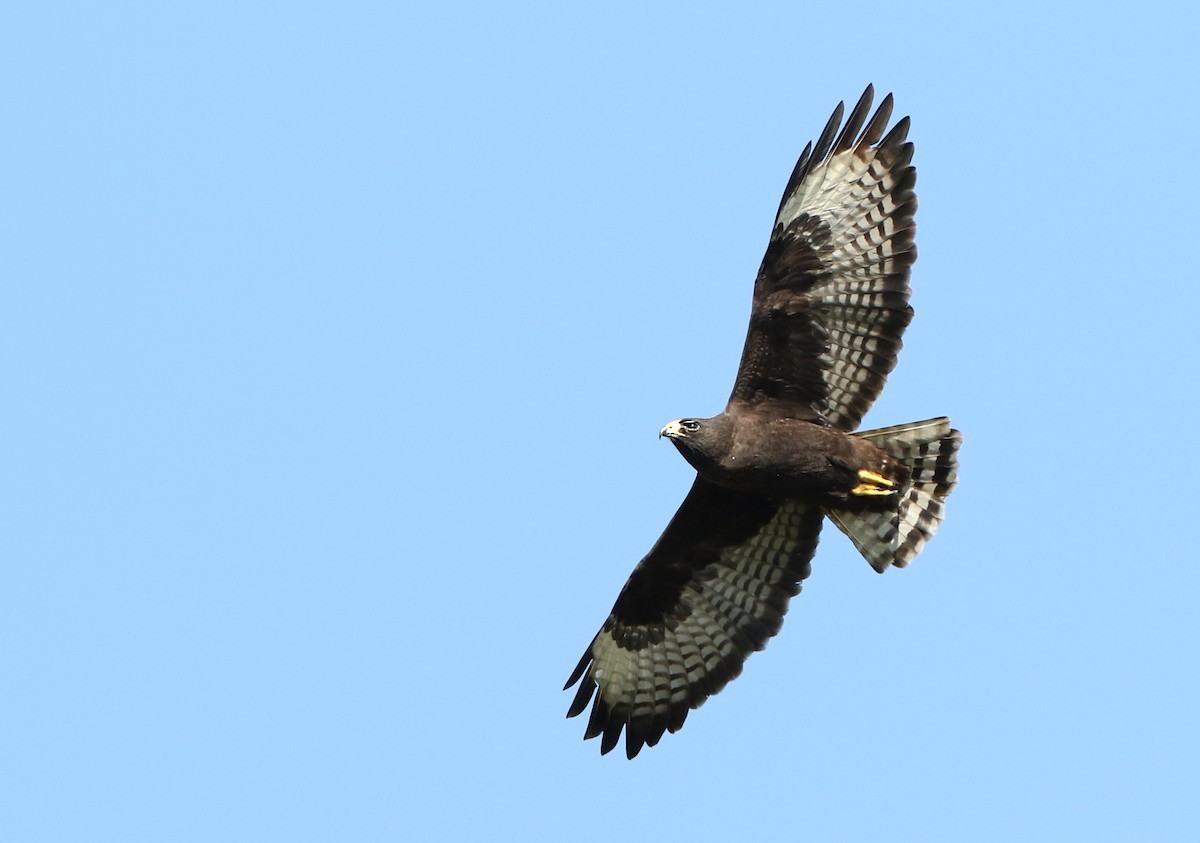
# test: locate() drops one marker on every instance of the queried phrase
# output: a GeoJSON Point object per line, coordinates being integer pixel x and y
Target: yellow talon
{"type": "Point", "coordinates": [873, 484]}
{"type": "Point", "coordinates": [872, 477]}
{"type": "Point", "coordinates": [866, 490]}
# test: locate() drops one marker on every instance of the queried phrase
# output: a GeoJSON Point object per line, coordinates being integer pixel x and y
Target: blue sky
{"type": "Point", "coordinates": [336, 340]}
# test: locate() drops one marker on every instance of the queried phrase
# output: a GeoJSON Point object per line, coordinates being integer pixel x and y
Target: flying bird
{"type": "Point", "coordinates": [830, 306]}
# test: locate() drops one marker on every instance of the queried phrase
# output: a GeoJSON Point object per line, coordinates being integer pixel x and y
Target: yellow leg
{"type": "Point", "coordinates": [872, 477]}
{"type": "Point", "coordinates": [873, 484]}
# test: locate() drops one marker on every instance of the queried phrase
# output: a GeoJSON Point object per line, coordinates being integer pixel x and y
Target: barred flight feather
{"type": "Point", "coordinates": [895, 533]}
{"type": "Point", "coordinates": [832, 294]}
{"type": "Point", "coordinates": [729, 608]}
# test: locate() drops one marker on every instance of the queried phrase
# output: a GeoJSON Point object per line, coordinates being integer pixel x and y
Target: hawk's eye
{"type": "Point", "coordinates": [690, 425]}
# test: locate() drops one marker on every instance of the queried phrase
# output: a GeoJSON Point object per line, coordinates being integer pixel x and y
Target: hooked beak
{"type": "Point", "coordinates": [671, 430]}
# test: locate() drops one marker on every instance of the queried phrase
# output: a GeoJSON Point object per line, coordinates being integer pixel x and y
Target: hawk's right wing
{"type": "Point", "coordinates": [711, 591]}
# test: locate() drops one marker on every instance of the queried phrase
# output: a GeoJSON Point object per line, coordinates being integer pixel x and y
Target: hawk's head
{"type": "Point", "coordinates": [681, 428]}
{"type": "Point", "coordinates": [701, 441]}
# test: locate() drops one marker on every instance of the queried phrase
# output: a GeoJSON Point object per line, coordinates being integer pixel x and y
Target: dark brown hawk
{"type": "Point", "coordinates": [830, 306]}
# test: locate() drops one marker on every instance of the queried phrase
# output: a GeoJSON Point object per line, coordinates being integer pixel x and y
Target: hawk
{"type": "Point", "coordinates": [830, 306]}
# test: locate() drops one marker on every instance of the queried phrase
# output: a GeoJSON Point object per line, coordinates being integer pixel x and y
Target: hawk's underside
{"type": "Point", "coordinates": [830, 306]}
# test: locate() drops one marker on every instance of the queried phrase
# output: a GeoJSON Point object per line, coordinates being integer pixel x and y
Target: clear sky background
{"type": "Point", "coordinates": [335, 340]}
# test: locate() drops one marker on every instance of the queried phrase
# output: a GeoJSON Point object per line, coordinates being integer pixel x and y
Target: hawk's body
{"type": "Point", "coordinates": [830, 307]}
{"type": "Point", "coordinates": [781, 456]}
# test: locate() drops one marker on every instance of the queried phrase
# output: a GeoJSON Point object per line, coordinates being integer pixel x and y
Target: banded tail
{"type": "Point", "coordinates": [894, 535]}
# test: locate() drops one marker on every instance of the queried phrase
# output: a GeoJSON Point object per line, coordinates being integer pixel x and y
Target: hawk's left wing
{"type": "Point", "coordinates": [831, 297]}
{"type": "Point", "coordinates": [712, 590]}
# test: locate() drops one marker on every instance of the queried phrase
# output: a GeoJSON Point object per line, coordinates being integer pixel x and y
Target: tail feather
{"type": "Point", "coordinates": [895, 535]}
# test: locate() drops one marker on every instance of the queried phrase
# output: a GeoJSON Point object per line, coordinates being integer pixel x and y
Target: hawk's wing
{"type": "Point", "coordinates": [831, 297]}
{"type": "Point", "coordinates": [712, 590]}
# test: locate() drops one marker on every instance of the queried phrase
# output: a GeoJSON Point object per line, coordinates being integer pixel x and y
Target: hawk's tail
{"type": "Point", "coordinates": [895, 534]}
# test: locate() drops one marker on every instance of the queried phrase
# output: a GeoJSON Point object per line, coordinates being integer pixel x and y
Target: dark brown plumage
{"type": "Point", "coordinates": [830, 307]}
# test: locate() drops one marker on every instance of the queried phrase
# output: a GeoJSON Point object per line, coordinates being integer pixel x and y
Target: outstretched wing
{"type": "Point", "coordinates": [712, 590]}
{"type": "Point", "coordinates": [831, 297]}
